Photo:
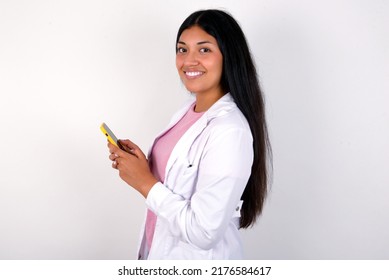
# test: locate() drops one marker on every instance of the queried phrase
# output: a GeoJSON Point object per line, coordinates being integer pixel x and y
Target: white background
{"type": "Point", "coordinates": [67, 66]}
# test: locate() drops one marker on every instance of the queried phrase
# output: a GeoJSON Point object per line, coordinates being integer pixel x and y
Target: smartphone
{"type": "Point", "coordinates": [110, 136]}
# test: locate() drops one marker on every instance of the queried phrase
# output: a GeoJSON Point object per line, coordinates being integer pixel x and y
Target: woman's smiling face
{"type": "Point", "coordinates": [199, 61]}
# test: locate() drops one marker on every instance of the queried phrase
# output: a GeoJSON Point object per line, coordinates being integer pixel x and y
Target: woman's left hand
{"type": "Point", "coordinates": [133, 166]}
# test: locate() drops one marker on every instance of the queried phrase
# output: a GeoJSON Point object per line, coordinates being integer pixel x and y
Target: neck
{"type": "Point", "coordinates": [205, 101]}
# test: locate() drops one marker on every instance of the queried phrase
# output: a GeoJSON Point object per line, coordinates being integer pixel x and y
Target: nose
{"type": "Point", "coordinates": [191, 59]}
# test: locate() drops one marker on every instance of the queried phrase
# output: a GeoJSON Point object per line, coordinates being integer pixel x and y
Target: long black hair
{"type": "Point", "coordinates": [239, 78]}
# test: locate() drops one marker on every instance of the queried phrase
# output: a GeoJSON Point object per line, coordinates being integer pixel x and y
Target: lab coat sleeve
{"type": "Point", "coordinates": [223, 173]}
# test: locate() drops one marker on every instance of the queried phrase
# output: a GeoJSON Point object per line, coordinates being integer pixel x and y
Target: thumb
{"type": "Point", "coordinates": [131, 148]}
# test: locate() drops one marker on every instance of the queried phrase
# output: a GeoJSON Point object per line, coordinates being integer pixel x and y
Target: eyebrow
{"type": "Point", "coordinates": [199, 43]}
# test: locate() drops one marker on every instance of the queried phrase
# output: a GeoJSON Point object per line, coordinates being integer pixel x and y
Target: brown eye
{"type": "Point", "coordinates": [205, 50]}
{"type": "Point", "coordinates": [181, 50]}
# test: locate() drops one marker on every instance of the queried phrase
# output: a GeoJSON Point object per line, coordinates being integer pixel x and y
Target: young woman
{"type": "Point", "coordinates": [206, 173]}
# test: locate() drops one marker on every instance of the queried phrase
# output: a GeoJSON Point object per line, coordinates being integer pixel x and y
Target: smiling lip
{"type": "Point", "coordinates": [193, 74]}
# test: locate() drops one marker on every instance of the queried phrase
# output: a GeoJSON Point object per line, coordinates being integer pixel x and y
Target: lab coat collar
{"type": "Point", "coordinates": [224, 105]}
{"type": "Point", "coordinates": [221, 107]}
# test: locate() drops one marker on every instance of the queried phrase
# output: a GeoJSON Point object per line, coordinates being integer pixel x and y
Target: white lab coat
{"type": "Point", "coordinates": [198, 206]}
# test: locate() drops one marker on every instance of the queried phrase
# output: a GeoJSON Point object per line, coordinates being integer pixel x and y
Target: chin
{"type": "Point", "coordinates": [192, 89]}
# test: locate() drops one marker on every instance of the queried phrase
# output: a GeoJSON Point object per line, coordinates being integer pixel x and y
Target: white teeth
{"type": "Point", "coordinates": [193, 74]}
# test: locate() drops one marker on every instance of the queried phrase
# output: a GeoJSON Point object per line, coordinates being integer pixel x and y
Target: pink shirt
{"type": "Point", "coordinates": [160, 155]}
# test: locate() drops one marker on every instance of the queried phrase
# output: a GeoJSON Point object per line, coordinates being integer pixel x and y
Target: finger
{"type": "Point", "coordinates": [118, 152]}
{"type": "Point", "coordinates": [122, 154]}
{"type": "Point", "coordinates": [113, 156]}
{"type": "Point", "coordinates": [124, 148]}
{"type": "Point", "coordinates": [134, 149]}
{"type": "Point", "coordinates": [112, 148]}
{"type": "Point", "coordinates": [129, 144]}
{"type": "Point", "coordinates": [138, 153]}
{"type": "Point", "coordinates": [115, 164]}
{"type": "Point", "coordinates": [121, 163]}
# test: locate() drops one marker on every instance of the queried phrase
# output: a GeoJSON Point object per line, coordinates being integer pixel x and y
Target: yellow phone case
{"type": "Point", "coordinates": [109, 134]}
